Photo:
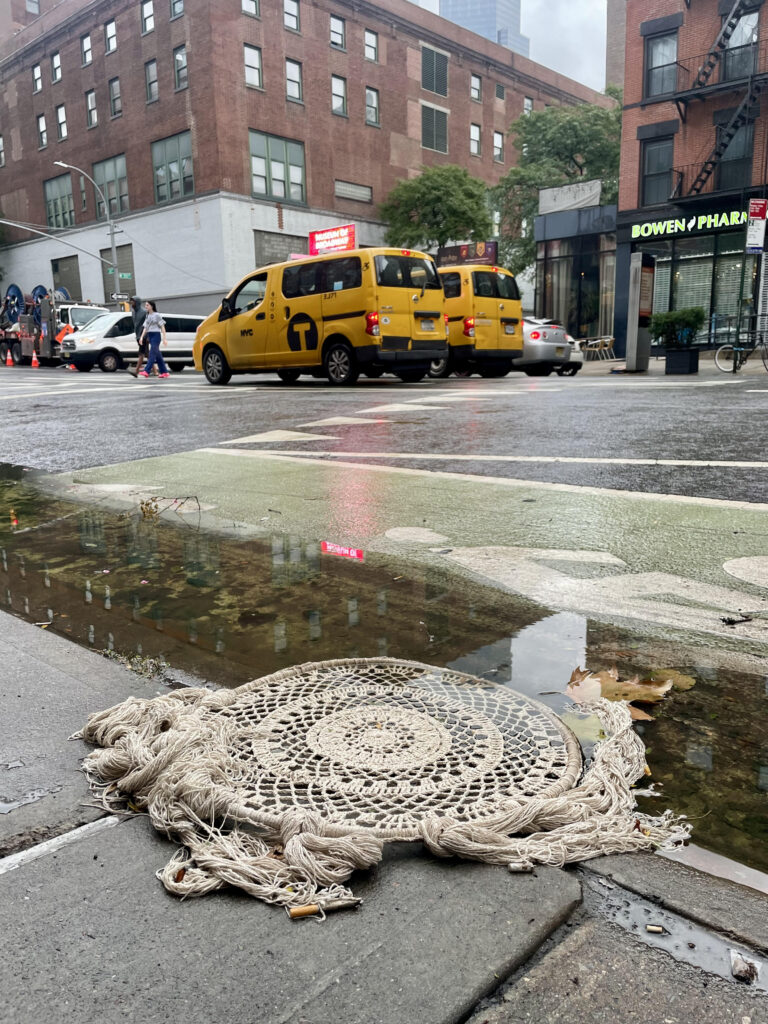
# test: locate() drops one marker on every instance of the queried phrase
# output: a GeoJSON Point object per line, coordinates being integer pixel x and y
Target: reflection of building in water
{"type": "Point", "coordinates": [201, 559]}
{"type": "Point", "coordinates": [140, 538]}
{"type": "Point", "coordinates": [293, 560]}
{"type": "Point", "coordinates": [91, 529]}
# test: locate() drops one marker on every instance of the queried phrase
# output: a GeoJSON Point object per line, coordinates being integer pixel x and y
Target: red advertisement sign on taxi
{"type": "Point", "coordinates": [332, 240]}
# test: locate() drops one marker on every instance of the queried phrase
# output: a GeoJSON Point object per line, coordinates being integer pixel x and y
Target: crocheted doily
{"type": "Point", "coordinates": [382, 744]}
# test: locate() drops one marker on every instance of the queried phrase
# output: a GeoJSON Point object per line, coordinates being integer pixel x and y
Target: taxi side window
{"type": "Point", "coordinates": [300, 280]}
{"type": "Point", "coordinates": [451, 285]}
{"type": "Point", "coordinates": [341, 275]}
{"type": "Point", "coordinates": [251, 294]}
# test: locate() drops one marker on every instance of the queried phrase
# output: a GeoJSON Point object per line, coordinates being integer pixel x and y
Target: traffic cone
{"type": "Point", "coordinates": [9, 357]}
{"type": "Point", "coordinates": [35, 360]}
{"type": "Point", "coordinates": [71, 366]}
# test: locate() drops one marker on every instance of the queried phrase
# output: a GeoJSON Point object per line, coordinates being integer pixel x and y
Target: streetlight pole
{"type": "Point", "coordinates": [107, 214]}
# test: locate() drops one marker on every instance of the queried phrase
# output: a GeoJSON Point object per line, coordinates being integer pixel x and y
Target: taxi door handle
{"type": "Point", "coordinates": [287, 312]}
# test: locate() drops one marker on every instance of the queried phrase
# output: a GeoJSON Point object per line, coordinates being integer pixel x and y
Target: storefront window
{"type": "Point", "coordinates": [692, 274]}
{"type": "Point", "coordinates": [575, 283]}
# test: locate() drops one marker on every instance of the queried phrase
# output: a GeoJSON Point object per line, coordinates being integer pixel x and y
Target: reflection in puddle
{"type": "Point", "coordinates": [226, 611]}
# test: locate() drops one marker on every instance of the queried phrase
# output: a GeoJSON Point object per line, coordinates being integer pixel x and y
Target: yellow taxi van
{"type": "Point", "coordinates": [334, 316]}
{"type": "Point", "coordinates": [485, 321]}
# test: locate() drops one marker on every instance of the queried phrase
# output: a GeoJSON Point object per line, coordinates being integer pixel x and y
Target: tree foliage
{"type": "Point", "coordinates": [442, 204]}
{"type": "Point", "coordinates": [557, 146]}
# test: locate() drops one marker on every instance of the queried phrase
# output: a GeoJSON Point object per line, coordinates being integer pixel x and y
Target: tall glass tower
{"type": "Point", "coordinates": [498, 20]}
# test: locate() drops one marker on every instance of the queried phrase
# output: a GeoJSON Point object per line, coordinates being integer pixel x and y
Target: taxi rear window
{"type": "Point", "coordinates": [451, 285]}
{"type": "Point", "coordinates": [399, 271]}
{"type": "Point", "coordinates": [491, 285]}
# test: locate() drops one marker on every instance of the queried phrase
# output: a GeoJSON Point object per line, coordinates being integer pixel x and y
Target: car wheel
{"type": "Point", "coordinates": [538, 371]}
{"type": "Point", "coordinates": [339, 363]}
{"type": "Point", "coordinates": [288, 376]}
{"type": "Point", "coordinates": [215, 366]}
{"type": "Point", "coordinates": [176, 367]}
{"type": "Point", "coordinates": [411, 376]}
{"type": "Point", "coordinates": [109, 361]}
{"type": "Point", "coordinates": [440, 368]}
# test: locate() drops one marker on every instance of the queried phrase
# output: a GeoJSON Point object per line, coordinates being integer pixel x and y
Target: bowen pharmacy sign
{"type": "Point", "coordinates": [690, 225]}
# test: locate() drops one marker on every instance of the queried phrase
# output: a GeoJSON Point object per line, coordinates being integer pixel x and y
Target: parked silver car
{"type": "Point", "coordinates": [545, 348]}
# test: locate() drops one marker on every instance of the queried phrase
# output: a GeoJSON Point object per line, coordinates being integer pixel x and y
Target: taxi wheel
{"type": "Point", "coordinates": [215, 366]}
{"type": "Point", "coordinates": [288, 376]}
{"type": "Point", "coordinates": [439, 368]}
{"type": "Point", "coordinates": [411, 376]}
{"type": "Point", "coordinates": [339, 363]}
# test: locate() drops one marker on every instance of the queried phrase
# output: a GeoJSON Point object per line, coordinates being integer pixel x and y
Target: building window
{"type": "Point", "coordinates": [250, 7]}
{"type": "Point", "coordinates": [350, 190]}
{"type": "Point", "coordinates": [291, 14]}
{"type": "Point", "coordinates": [150, 81]}
{"type": "Point", "coordinates": [498, 146]}
{"type": "Point", "coordinates": [474, 139]}
{"type": "Point", "coordinates": [59, 204]}
{"type": "Point", "coordinates": [661, 64]}
{"type": "Point", "coordinates": [83, 195]}
{"type": "Point", "coordinates": [180, 74]}
{"type": "Point", "coordinates": [172, 165]}
{"type": "Point", "coordinates": [91, 114]}
{"type": "Point", "coordinates": [499, 91]}
{"type": "Point", "coordinates": [739, 59]}
{"type": "Point", "coordinates": [339, 95]}
{"type": "Point", "coordinates": [277, 167]}
{"type": "Point", "coordinates": [61, 121]}
{"type": "Point", "coordinates": [372, 115]}
{"type": "Point", "coordinates": [177, 8]}
{"type": "Point", "coordinates": [115, 101]}
{"type": "Point", "coordinates": [434, 71]}
{"type": "Point", "coordinates": [338, 33]}
{"type": "Point", "coordinates": [658, 157]}
{"type": "Point", "coordinates": [371, 46]}
{"type": "Point", "coordinates": [37, 78]}
{"type": "Point", "coordinates": [2, 152]}
{"type": "Point", "coordinates": [252, 66]}
{"type": "Point", "coordinates": [56, 67]}
{"type": "Point", "coordinates": [111, 178]}
{"type": "Point", "coordinates": [110, 36]}
{"type": "Point", "coordinates": [475, 87]}
{"type": "Point", "coordinates": [86, 54]}
{"type": "Point", "coordinates": [33, 6]}
{"type": "Point", "coordinates": [735, 168]}
{"type": "Point", "coordinates": [147, 16]}
{"type": "Point", "coordinates": [434, 129]}
{"type": "Point", "coordinates": [42, 131]}
{"type": "Point", "coordinates": [527, 105]}
{"type": "Point", "coordinates": [293, 88]}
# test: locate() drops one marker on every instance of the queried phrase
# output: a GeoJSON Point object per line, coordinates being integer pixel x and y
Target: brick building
{"type": "Point", "coordinates": [615, 42]}
{"type": "Point", "coordinates": [693, 154]}
{"type": "Point", "coordinates": [222, 134]}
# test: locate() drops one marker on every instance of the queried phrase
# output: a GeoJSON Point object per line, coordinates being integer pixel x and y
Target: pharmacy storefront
{"type": "Point", "coordinates": [700, 260]}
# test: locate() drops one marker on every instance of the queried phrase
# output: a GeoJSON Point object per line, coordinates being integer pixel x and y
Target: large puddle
{"type": "Point", "coordinates": [225, 611]}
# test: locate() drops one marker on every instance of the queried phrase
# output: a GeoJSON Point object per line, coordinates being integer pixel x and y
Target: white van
{"type": "Point", "coordinates": [78, 314]}
{"type": "Point", "coordinates": [109, 342]}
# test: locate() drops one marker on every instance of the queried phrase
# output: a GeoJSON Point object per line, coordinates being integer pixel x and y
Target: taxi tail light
{"type": "Point", "coordinates": [372, 324]}
{"type": "Point", "coordinates": [469, 326]}
{"type": "Point", "coordinates": [535, 335]}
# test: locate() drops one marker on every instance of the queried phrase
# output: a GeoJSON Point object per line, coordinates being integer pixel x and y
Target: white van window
{"type": "Point", "coordinates": [123, 327]}
{"type": "Point", "coordinates": [492, 285]}
{"type": "Point", "coordinates": [406, 272]}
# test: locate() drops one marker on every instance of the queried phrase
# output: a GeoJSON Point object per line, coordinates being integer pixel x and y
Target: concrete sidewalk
{"type": "Point", "coordinates": [91, 936]}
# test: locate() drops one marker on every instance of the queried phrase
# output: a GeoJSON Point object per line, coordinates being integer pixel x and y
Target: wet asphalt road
{"type": "Point", "coordinates": [58, 420]}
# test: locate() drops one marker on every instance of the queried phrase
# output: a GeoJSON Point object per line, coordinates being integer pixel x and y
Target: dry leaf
{"type": "Point", "coordinates": [585, 686]}
{"type": "Point", "coordinates": [679, 680]}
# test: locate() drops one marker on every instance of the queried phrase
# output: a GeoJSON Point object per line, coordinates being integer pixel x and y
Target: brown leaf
{"type": "Point", "coordinates": [179, 876]}
{"type": "Point", "coordinates": [587, 686]}
{"type": "Point", "coordinates": [679, 680]}
{"type": "Point", "coordinates": [638, 715]}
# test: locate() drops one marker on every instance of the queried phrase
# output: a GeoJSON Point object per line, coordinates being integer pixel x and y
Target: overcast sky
{"type": "Point", "coordinates": [567, 35]}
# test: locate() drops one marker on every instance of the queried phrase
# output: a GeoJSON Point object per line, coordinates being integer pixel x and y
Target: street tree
{"type": "Point", "coordinates": [442, 204]}
{"type": "Point", "coordinates": [557, 146]}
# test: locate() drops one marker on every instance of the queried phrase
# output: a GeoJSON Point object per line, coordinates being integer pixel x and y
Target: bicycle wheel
{"type": "Point", "coordinates": [727, 359]}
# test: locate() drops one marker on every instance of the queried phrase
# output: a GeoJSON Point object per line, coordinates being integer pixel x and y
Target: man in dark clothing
{"type": "Point", "coordinates": [139, 315]}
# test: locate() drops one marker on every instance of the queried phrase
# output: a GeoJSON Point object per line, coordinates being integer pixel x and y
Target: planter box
{"type": "Point", "coordinates": [682, 360]}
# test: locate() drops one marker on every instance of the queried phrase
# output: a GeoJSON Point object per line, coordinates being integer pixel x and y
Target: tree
{"type": "Point", "coordinates": [443, 204]}
{"type": "Point", "coordinates": [557, 146]}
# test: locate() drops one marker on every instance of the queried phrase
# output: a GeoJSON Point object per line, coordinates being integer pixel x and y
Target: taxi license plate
{"type": "Point", "coordinates": [509, 328]}
{"type": "Point", "coordinates": [559, 351]}
{"type": "Point", "coordinates": [427, 325]}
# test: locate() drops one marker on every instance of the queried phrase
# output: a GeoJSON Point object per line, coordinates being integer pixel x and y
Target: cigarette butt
{"type": "Point", "coordinates": [654, 929]}
{"type": "Point", "coordinates": [648, 770]}
{"type": "Point", "coordinates": [307, 911]}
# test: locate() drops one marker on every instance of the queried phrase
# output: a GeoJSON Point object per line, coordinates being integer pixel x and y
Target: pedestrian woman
{"type": "Point", "coordinates": [154, 332]}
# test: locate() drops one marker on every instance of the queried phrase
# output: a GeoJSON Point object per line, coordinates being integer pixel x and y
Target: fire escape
{"type": "Point", "coordinates": [750, 84]}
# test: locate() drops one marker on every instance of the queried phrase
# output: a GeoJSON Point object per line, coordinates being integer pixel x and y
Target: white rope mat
{"type": "Point", "coordinates": [286, 785]}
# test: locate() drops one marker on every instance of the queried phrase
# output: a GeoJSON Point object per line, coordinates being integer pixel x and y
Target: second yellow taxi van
{"type": "Point", "coordinates": [485, 321]}
{"type": "Point", "coordinates": [334, 316]}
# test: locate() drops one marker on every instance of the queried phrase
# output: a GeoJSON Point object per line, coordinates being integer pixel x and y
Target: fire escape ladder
{"type": "Point", "coordinates": [718, 48]}
{"type": "Point", "coordinates": [726, 134]}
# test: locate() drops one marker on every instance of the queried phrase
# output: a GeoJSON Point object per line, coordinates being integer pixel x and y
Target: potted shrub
{"type": "Point", "coordinates": [677, 331]}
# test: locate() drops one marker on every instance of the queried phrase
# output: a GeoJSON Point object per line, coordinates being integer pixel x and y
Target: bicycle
{"type": "Point", "coordinates": [730, 358]}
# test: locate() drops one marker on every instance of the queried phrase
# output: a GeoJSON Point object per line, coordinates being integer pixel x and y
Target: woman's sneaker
{"type": "Point", "coordinates": [164, 375]}
{"type": "Point", "coordinates": [142, 373]}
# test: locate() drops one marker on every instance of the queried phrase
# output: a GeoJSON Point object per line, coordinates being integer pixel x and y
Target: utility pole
{"type": "Point", "coordinates": [108, 215]}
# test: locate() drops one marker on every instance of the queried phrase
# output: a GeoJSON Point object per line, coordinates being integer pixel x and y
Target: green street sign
{"type": "Point", "coordinates": [126, 275]}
